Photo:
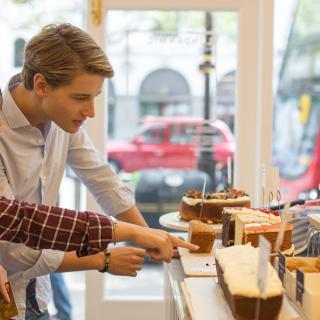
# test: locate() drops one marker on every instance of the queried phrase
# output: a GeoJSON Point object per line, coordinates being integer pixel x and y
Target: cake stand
{"type": "Point", "coordinates": [172, 220]}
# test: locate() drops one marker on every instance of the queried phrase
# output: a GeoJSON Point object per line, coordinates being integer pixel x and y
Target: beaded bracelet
{"type": "Point", "coordinates": [107, 259]}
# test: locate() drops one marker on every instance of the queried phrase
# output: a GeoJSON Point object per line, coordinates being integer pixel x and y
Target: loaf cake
{"type": "Point", "coordinates": [305, 265]}
{"type": "Point", "coordinates": [237, 276]}
{"type": "Point", "coordinates": [191, 207]}
{"type": "Point", "coordinates": [248, 228]}
{"type": "Point", "coordinates": [228, 220]}
{"type": "Point", "coordinates": [201, 235]}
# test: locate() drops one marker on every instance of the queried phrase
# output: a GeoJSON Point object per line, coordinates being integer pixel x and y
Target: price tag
{"type": "Point", "coordinates": [270, 182]}
{"type": "Point", "coordinates": [299, 286]}
{"type": "Point", "coordinates": [263, 183]}
{"type": "Point", "coordinates": [229, 172]}
{"type": "Point", "coordinates": [275, 180]}
{"type": "Point", "coordinates": [202, 196]}
{"type": "Point", "coordinates": [263, 265]}
{"type": "Point", "coordinates": [263, 176]}
{"type": "Point", "coordinates": [284, 219]}
{"type": "Point", "coordinates": [281, 266]}
{"type": "Point", "coordinates": [202, 267]}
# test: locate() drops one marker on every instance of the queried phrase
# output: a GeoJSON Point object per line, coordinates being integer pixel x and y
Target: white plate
{"type": "Point", "coordinates": [172, 220]}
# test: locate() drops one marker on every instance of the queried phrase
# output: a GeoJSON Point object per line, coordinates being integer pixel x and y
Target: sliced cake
{"type": "Point", "coordinates": [248, 228]}
{"type": "Point", "coordinates": [228, 220]}
{"type": "Point", "coordinates": [201, 235]}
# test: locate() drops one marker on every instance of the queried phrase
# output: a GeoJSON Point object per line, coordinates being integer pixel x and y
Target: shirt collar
{"type": "Point", "coordinates": [12, 113]}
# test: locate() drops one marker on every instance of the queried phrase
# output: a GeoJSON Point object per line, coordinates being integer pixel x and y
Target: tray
{"type": "Point", "coordinates": [205, 301]}
{"type": "Point", "coordinates": [172, 220]}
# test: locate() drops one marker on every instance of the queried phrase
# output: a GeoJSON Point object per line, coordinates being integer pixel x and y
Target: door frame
{"type": "Point", "coordinates": [253, 118]}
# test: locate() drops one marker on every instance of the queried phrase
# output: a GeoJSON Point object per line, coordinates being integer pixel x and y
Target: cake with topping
{"type": "Point", "coordinates": [237, 268]}
{"type": "Point", "coordinates": [201, 235]}
{"type": "Point", "coordinates": [228, 220]}
{"type": "Point", "coordinates": [304, 264]}
{"type": "Point", "coordinates": [248, 228]}
{"type": "Point", "coordinates": [209, 210]}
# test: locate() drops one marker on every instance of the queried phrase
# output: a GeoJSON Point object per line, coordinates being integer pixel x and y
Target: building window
{"type": "Point", "coordinates": [165, 92]}
{"type": "Point", "coordinates": [111, 109]}
{"type": "Point", "coordinates": [19, 45]}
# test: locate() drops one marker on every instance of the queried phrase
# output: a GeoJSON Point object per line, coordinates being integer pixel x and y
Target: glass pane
{"type": "Point", "coordinates": [160, 60]}
{"type": "Point", "coordinates": [19, 21]}
{"type": "Point", "coordinates": [157, 56]}
{"type": "Point", "coordinates": [23, 19]}
{"type": "Point", "coordinates": [296, 141]}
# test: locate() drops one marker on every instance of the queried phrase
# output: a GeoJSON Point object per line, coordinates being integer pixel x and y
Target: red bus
{"type": "Point", "coordinates": [296, 138]}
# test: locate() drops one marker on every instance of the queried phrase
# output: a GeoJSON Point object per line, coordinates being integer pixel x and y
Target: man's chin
{"type": "Point", "coordinates": [72, 129]}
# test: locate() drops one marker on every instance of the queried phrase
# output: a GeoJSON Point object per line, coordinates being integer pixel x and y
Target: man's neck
{"type": "Point", "coordinates": [29, 105]}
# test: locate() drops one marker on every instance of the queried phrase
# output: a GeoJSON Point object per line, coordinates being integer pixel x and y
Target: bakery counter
{"type": "Point", "coordinates": [175, 304]}
{"type": "Point", "coordinates": [200, 297]}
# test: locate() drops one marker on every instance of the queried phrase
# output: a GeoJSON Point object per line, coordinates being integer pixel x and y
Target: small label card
{"type": "Point", "coordinates": [299, 286]}
{"type": "Point", "coordinates": [8, 310]}
{"type": "Point", "coordinates": [202, 267]}
{"type": "Point", "coordinates": [203, 195]}
{"type": "Point", "coordinates": [263, 265]}
{"type": "Point", "coordinates": [281, 266]}
{"type": "Point", "coordinates": [270, 183]}
{"type": "Point", "coordinates": [284, 219]}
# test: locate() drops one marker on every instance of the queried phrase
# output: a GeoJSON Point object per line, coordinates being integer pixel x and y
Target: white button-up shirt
{"type": "Point", "coordinates": [31, 169]}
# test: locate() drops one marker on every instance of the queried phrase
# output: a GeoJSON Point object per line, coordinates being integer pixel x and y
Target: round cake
{"type": "Point", "coordinates": [210, 211]}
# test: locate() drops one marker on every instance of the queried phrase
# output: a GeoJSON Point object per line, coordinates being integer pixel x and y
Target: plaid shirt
{"type": "Point", "coordinates": [45, 227]}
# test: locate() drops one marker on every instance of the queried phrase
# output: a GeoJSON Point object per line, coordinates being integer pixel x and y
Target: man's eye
{"type": "Point", "coordinates": [80, 98]}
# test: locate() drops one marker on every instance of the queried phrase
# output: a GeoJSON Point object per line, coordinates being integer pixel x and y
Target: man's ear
{"type": "Point", "coordinates": [40, 85]}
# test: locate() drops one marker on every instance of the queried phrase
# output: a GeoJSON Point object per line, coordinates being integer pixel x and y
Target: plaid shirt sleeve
{"type": "Point", "coordinates": [46, 227]}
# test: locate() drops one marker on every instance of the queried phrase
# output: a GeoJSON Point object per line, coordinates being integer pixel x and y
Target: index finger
{"type": "Point", "coordinates": [184, 244]}
{"type": "Point", "coordinates": [140, 252]}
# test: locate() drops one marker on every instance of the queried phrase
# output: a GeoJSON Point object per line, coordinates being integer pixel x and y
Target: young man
{"type": "Point", "coordinates": [43, 110]}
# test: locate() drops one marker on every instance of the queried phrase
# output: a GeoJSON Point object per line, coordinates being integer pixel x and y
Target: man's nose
{"type": "Point", "coordinates": [89, 111]}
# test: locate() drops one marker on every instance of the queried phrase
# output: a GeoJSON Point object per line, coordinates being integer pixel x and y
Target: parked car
{"type": "Point", "coordinates": [170, 142]}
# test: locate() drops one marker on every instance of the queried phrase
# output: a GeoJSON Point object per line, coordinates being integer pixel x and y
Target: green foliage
{"type": "Point", "coordinates": [21, 1]}
{"type": "Point", "coordinates": [307, 19]}
{"type": "Point", "coordinates": [223, 22]}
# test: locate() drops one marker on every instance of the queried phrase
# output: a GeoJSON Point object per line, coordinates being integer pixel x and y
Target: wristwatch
{"type": "Point", "coordinates": [107, 259]}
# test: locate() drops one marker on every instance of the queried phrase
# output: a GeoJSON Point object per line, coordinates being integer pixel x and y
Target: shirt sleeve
{"type": "Point", "coordinates": [44, 227]}
{"type": "Point", "coordinates": [109, 191]}
{"type": "Point", "coordinates": [5, 189]}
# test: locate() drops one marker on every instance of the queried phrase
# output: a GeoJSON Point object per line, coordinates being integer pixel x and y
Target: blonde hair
{"type": "Point", "coordinates": [59, 53]}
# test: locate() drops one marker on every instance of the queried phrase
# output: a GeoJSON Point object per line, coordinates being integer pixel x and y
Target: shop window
{"type": "Point", "coordinates": [111, 108]}
{"type": "Point", "coordinates": [164, 92]}
{"type": "Point", "coordinates": [19, 45]}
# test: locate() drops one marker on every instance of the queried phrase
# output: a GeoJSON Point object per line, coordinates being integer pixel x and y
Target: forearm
{"type": "Point", "coordinates": [71, 262]}
{"type": "Point", "coordinates": [44, 227]}
{"type": "Point", "coordinates": [133, 216]}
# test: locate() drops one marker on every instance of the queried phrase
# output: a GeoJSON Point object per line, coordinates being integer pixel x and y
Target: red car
{"type": "Point", "coordinates": [169, 142]}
